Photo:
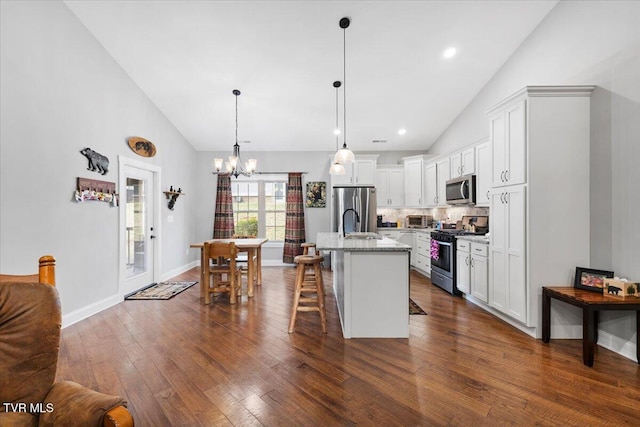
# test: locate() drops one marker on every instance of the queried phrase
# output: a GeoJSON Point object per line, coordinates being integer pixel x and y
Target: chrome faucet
{"type": "Point", "coordinates": [343, 214]}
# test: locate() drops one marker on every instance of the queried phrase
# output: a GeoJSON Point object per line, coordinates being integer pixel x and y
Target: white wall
{"type": "Point", "coordinates": [586, 42]}
{"type": "Point", "coordinates": [61, 92]}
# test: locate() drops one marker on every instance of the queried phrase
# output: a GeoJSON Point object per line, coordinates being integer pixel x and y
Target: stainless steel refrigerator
{"type": "Point", "coordinates": [355, 207]}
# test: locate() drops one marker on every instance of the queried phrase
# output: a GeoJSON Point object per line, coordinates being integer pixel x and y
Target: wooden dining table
{"type": "Point", "coordinates": [253, 247]}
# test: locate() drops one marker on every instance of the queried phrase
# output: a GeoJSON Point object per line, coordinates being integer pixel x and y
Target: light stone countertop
{"type": "Point", "coordinates": [478, 239]}
{"type": "Point", "coordinates": [335, 242]}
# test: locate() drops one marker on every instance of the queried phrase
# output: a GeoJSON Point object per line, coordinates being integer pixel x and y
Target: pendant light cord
{"type": "Point", "coordinates": [236, 119]}
{"type": "Point", "coordinates": [337, 123]}
{"type": "Point", "coordinates": [344, 83]}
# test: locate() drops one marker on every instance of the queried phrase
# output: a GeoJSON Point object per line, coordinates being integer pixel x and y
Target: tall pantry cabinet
{"type": "Point", "coordinates": [539, 197]}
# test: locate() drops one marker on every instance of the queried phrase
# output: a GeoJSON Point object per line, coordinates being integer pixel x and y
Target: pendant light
{"type": "Point", "coordinates": [336, 167]}
{"type": "Point", "coordinates": [344, 155]}
{"type": "Point", "coordinates": [234, 165]}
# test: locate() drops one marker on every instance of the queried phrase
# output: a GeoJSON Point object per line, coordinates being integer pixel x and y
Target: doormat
{"type": "Point", "coordinates": [162, 290]}
{"type": "Point", "coordinates": [415, 308]}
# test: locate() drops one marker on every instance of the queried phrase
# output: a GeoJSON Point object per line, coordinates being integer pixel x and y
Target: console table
{"type": "Point", "coordinates": [591, 303]}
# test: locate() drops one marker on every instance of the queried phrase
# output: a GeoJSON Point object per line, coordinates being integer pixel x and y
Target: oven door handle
{"type": "Point", "coordinates": [441, 243]}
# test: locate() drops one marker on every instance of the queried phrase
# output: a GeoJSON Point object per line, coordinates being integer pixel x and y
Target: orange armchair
{"type": "Point", "coordinates": [30, 323]}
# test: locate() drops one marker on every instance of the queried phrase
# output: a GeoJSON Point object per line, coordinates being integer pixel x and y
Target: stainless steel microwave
{"type": "Point", "coordinates": [462, 190]}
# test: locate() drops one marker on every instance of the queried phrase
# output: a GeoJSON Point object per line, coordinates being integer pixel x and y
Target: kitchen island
{"type": "Point", "coordinates": [371, 285]}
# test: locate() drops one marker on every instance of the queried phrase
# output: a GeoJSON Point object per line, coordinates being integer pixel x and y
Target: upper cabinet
{"type": "Point", "coordinates": [483, 174]}
{"type": "Point", "coordinates": [413, 181]}
{"type": "Point", "coordinates": [390, 186]}
{"type": "Point", "coordinates": [436, 176]}
{"type": "Point", "coordinates": [507, 134]}
{"type": "Point", "coordinates": [360, 172]}
{"type": "Point", "coordinates": [463, 162]}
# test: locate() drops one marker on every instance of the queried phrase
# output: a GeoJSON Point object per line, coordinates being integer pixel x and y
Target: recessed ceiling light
{"type": "Point", "coordinates": [402, 131]}
{"type": "Point", "coordinates": [449, 53]}
{"type": "Point", "coordinates": [336, 132]}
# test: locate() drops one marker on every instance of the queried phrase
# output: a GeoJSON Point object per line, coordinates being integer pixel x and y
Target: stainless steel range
{"type": "Point", "coordinates": [443, 253]}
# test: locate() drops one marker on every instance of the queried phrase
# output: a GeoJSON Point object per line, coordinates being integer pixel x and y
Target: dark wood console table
{"type": "Point", "coordinates": [591, 303]}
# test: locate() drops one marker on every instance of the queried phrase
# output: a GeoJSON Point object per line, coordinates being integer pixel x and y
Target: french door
{"type": "Point", "coordinates": [139, 245]}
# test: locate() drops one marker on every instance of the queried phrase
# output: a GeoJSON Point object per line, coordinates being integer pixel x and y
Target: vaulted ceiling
{"type": "Point", "coordinates": [188, 56]}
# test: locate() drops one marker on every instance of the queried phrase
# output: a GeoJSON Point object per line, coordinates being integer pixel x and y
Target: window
{"type": "Point", "coordinates": [259, 208]}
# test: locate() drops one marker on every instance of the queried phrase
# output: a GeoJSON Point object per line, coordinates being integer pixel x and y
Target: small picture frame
{"type": "Point", "coordinates": [316, 194]}
{"type": "Point", "coordinates": [591, 279]}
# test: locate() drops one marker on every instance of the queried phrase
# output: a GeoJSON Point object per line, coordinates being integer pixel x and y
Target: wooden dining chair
{"type": "Point", "coordinates": [243, 260]}
{"type": "Point", "coordinates": [224, 277]}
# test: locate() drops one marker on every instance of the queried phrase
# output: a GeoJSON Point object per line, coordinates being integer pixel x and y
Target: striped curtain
{"type": "Point", "coordinates": [223, 218]}
{"type": "Point", "coordinates": [294, 226]}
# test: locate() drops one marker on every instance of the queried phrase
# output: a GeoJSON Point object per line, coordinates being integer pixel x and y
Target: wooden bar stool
{"type": "Point", "coordinates": [309, 270]}
{"type": "Point", "coordinates": [304, 288]}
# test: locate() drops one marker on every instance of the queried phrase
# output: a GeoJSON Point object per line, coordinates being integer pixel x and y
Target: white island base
{"type": "Point", "coordinates": [372, 292]}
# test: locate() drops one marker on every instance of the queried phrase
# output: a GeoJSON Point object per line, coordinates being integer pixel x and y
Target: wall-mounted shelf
{"type": "Point", "coordinates": [172, 196]}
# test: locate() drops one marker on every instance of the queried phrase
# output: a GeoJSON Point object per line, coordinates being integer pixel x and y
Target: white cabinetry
{"type": "Point", "coordinates": [539, 142]}
{"type": "Point", "coordinates": [463, 162]}
{"type": "Point", "coordinates": [480, 271]}
{"type": "Point", "coordinates": [507, 225]}
{"type": "Point", "coordinates": [431, 185]}
{"type": "Point", "coordinates": [463, 266]}
{"type": "Point", "coordinates": [422, 255]}
{"type": "Point", "coordinates": [390, 186]}
{"type": "Point", "coordinates": [507, 133]}
{"type": "Point", "coordinates": [436, 176]}
{"type": "Point", "coordinates": [414, 182]}
{"type": "Point", "coordinates": [444, 174]}
{"type": "Point", "coordinates": [472, 268]}
{"type": "Point", "coordinates": [360, 172]}
{"type": "Point", "coordinates": [483, 174]}
{"type": "Point", "coordinates": [413, 173]}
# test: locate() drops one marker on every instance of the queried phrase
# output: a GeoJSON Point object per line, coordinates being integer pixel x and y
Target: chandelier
{"type": "Point", "coordinates": [234, 165]}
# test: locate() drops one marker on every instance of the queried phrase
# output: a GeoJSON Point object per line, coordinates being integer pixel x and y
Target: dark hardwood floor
{"type": "Point", "coordinates": [181, 363]}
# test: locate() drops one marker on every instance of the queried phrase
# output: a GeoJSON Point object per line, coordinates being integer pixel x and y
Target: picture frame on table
{"type": "Point", "coordinates": [591, 279]}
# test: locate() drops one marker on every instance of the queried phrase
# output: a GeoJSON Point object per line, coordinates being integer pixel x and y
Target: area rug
{"type": "Point", "coordinates": [162, 290]}
{"type": "Point", "coordinates": [415, 308]}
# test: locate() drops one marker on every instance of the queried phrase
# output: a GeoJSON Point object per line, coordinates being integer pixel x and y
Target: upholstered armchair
{"type": "Point", "coordinates": [30, 323]}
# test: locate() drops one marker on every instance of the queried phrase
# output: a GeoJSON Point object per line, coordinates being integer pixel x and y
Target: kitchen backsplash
{"type": "Point", "coordinates": [447, 215]}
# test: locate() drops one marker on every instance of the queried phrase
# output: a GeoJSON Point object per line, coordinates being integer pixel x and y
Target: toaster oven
{"type": "Point", "coordinates": [418, 221]}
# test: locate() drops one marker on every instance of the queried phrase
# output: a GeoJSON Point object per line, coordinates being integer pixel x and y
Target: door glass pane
{"type": "Point", "coordinates": [136, 250]}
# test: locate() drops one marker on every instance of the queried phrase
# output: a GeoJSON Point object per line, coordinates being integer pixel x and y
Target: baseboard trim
{"type": "Point", "coordinates": [617, 345]}
{"type": "Point", "coordinates": [88, 311]}
{"type": "Point", "coordinates": [95, 308]}
{"type": "Point", "coordinates": [178, 271]}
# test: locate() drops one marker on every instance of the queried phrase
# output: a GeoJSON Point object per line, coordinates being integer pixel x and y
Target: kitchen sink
{"type": "Point", "coordinates": [363, 235]}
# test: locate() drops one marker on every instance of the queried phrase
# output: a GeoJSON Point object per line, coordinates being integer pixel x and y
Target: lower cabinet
{"type": "Point", "coordinates": [472, 268]}
{"type": "Point", "coordinates": [422, 256]}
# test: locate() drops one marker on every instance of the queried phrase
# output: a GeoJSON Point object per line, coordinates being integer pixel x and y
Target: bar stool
{"type": "Point", "coordinates": [309, 271]}
{"type": "Point", "coordinates": [304, 288]}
